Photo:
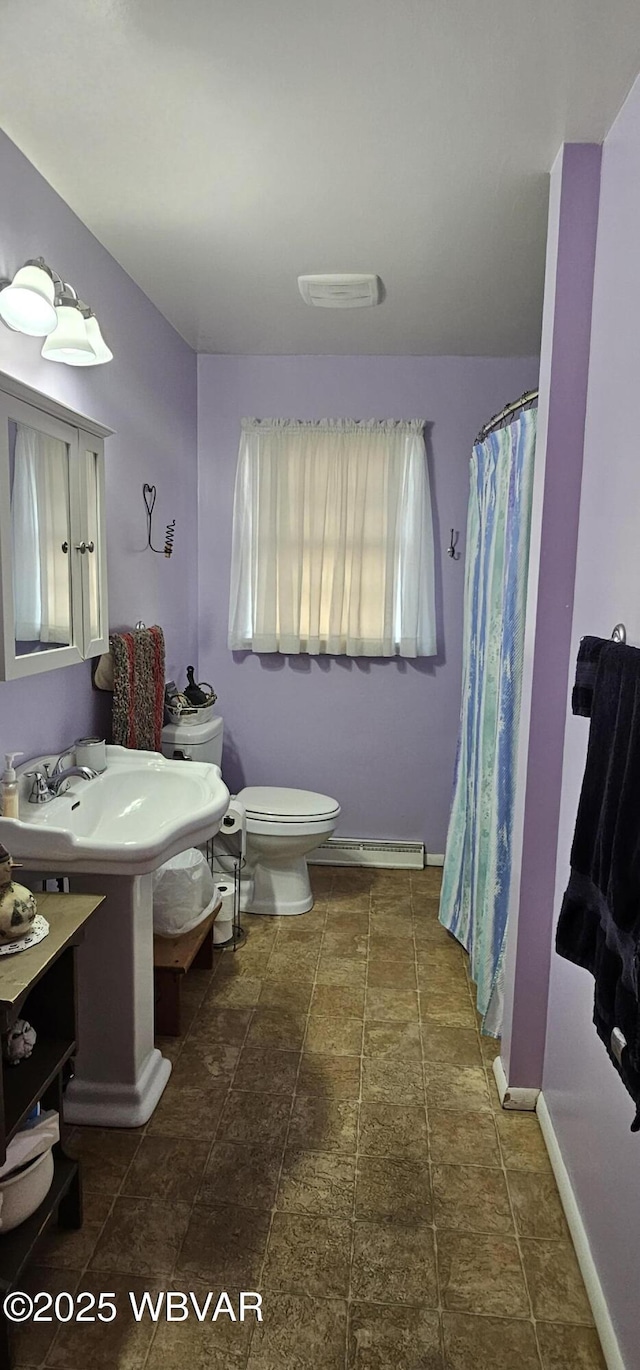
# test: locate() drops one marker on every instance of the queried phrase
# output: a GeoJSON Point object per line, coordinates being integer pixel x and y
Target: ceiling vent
{"type": "Point", "coordinates": [340, 292]}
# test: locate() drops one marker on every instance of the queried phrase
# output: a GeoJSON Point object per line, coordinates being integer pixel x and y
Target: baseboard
{"type": "Point", "coordinates": [520, 1100]}
{"type": "Point", "coordinates": [595, 1295]}
{"type": "Point", "coordinates": [355, 851]}
{"type": "Point", "coordinates": [434, 858]}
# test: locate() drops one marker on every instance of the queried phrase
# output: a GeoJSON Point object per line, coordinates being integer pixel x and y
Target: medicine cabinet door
{"type": "Point", "coordinates": [92, 546]}
{"type": "Point", "coordinates": [40, 608]}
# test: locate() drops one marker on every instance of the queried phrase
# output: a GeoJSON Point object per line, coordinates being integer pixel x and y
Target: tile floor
{"type": "Point", "coordinates": [330, 1136]}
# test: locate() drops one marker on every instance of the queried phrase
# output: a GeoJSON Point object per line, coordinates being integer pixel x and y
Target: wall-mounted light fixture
{"type": "Point", "coordinates": [102, 352]}
{"type": "Point", "coordinates": [27, 302]}
{"type": "Point", "coordinates": [38, 302]}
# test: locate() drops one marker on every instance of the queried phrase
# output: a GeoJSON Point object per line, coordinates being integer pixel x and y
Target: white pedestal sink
{"type": "Point", "coordinates": [107, 835]}
{"type": "Point", "coordinates": [119, 1074]}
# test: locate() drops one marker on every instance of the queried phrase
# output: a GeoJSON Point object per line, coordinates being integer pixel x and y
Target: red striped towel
{"type": "Point", "coordinates": [138, 688]}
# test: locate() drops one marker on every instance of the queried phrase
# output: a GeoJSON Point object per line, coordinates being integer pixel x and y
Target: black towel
{"type": "Point", "coordinates": [599, 924]}
{"type": "Point", "coordinates": [586, 668]}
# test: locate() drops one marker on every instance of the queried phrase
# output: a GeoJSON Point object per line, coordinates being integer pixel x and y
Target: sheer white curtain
{"type": "Point", "coordinates": [332, 539]}
{"type": "Point", "coordinates": [40, 525]}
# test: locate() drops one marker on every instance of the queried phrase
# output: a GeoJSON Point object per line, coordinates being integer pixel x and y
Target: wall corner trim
{"type": "Point", "coordinates": [520, 1100]}
{"type": "Point", "coordinates": [595, 1294]}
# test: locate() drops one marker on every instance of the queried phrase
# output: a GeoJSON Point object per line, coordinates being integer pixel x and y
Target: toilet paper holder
{"type": "Point", "coordinates": [234, 825]}
{"type": "Point", "coordinates": [223, 928]}
{"type": "Point", "coordinates": [226, 855]}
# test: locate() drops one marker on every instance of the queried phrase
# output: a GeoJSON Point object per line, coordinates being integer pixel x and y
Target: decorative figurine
{"type": "Point", "coordinates": [18, 907]}
{"type": "Point", "coordinates": [18, 1042]}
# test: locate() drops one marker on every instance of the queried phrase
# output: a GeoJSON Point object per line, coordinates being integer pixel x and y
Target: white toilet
{"type": "Point", "coordinates": [283, 825]}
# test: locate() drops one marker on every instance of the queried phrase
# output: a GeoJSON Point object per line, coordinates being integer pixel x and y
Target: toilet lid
{"type": "Point", "coordinates": [269, 801]}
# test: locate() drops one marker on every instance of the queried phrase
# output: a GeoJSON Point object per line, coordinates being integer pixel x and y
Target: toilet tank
{"type": "Point", "coordinates": [194, 741]}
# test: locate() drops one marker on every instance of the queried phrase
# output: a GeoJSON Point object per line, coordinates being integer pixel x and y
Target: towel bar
{"type": "Point", "coordinates": [619, 633]}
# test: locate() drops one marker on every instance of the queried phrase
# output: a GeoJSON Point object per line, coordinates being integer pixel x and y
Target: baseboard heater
{"type": "Point", "coordinates": [354, 851]}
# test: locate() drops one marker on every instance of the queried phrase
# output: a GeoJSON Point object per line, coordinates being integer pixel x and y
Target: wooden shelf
{"type": "Point", "coordinates": [66, 915]}
{"type": "Point", "coordinates": [172, 958]}
{"type": "Point", "coordinates": [16, 1246]}
{"type": "Point", "coordinates": [25, 1084]}
{"type": "Point", "coordinates": [179, 953]}
{"type": "Point", "coordinates": [40, 984]}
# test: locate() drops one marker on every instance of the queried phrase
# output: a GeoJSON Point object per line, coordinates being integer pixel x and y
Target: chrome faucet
{"type": "Point", "coordinates": [57, 779]}
{"type": "Point", "coordinates": [47, 787]}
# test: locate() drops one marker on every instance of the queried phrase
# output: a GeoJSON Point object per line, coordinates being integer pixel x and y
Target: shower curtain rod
{"type": "Point", "coordinates": [509, 409]}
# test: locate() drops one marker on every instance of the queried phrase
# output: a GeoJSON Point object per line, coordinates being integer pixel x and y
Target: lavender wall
{"type": "Point", "coordinates": [590, 1109]}
{"type": "Point", "coordinates": [571, 245]}
{"type": "Point", "coordinates": [148, 395]}
{"type": "Point", "coordinates": [378, 735]}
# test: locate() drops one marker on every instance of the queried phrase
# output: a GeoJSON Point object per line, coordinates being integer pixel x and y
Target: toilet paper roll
{"type": "Point", "coordinates": [225, 894]}
{"type": "Point", "coordinates": [234, 826]}
{"type": "Point", "coordinates": [223, 926]}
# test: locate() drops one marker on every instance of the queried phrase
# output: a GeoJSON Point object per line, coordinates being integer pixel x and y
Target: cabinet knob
{"type": "Point", "coordinates": [81, 547]}
{"type": "Point", "coordinates": [90, 547]}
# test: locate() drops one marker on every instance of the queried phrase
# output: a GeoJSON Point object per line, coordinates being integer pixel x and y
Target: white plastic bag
{"type": "Point", "coordinates": [183, 893]}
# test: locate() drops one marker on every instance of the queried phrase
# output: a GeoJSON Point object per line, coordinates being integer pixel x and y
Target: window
{"type": "Point", "coordinates": [332, 539]}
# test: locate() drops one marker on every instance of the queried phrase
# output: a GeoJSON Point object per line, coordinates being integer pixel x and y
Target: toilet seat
{"type": "Point", "coordinates": [277, 810]}
{"type": "Point", "coordinates": [279, 803]}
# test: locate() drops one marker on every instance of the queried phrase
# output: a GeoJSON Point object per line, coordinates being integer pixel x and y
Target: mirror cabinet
{"type": "Point", "coordinates": [53, 556]}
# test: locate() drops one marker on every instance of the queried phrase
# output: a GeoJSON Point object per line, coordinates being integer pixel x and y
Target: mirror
{"type": "Point", "coordinates": [40, 530]}
{"type": "Point", "coordinates": [53, 546]}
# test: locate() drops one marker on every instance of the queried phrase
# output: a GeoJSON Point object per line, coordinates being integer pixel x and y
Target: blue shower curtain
{"type": "Point", "coordinates": [477, 867]}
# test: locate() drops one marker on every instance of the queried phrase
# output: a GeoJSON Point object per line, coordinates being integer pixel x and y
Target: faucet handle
{"type": "Point", "coordinates": [61, 762]}
{"type": "Point", "coordinates": [39, 792]}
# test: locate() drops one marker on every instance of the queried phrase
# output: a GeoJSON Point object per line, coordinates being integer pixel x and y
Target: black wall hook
{"type": "Point", "coordinates": [453, 543]}
{"type": "Point", "coordinates": [149, 496]}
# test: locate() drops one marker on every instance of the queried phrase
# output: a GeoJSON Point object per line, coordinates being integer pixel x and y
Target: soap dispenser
{"type": "Point", "coordinates": [10, 787]}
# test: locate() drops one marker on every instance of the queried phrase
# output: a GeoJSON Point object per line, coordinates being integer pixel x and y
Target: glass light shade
{"type": "Point", "coordinates": [27, 303]}
{"type": "Point", "coordinates": [102, 353]}
{"type": "Point", "coordinates": [69, 342]}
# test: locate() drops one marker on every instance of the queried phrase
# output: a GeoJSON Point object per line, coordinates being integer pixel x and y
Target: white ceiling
{"type": "Point", "coordinates": [218, 148]}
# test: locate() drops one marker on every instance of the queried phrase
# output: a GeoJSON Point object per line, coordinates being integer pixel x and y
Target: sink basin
{"type": "Point", "coordinates": [107, 835]}
{"type": "Point", "coordinates": [141, 811]}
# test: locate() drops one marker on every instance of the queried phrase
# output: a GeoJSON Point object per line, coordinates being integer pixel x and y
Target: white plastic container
{"type": "Point", "coordinates": [9, 802]}
{"type": "Point", "coordinates": [23, 1193]}
{"type": "Point", "coordinates": [91, 752]}
{"type": "Point", "coordinates": [189, 716]}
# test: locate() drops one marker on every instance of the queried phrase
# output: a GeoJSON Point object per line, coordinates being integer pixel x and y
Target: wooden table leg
{"type": "Point", "coordinates": [204, 958]}
{"type": "Point", "coordinates": [167, 988]}
{"type": "Point", "coordinates": [70, 1206]}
